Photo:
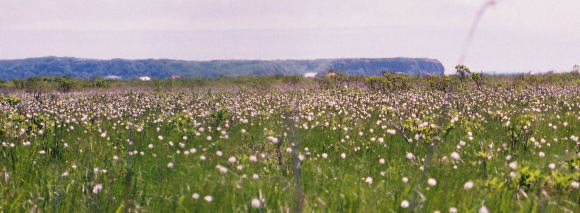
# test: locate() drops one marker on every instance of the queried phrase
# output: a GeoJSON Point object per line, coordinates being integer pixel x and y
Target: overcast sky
{"type": "Point", "coordinates": [515, 35]}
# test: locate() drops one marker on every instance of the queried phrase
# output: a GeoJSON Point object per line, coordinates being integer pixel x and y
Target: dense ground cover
{"type": "Point", "coordinates": [498, 149]}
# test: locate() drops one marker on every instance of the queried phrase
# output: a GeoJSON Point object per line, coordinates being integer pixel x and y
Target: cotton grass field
{"type": "Point", "coordinates": [495, 149]}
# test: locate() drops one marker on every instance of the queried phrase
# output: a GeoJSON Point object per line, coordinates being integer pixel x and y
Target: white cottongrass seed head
{"type": "Point", "coordinates": [483, 209]}
{"type": "Point", "coordinates": [256, 203]}
{"type": "Point", "coordinates": [468, 185]}
{"type": "Point", "coordinates": [405, 204]}
{"type": "Point", "coordinates": [432, 181]}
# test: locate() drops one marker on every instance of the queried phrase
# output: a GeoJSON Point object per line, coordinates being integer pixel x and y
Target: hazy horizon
{"type": "Point", "coordinates": [514, 36]}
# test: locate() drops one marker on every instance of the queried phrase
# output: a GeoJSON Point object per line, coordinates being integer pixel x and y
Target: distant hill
{"type": "Point", "coordinates": [165, 68]}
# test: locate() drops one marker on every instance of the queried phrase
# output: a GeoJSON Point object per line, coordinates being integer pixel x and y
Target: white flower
{"type": "Point", "coordinates": [541, 154]}
{"type": "Point", "coordinates": [552, 166]}
{"type": "Point", "coordinates": [42, 152]}
{"type": "Point", "coordinates": [369, 180]}
{"type": "Point", "coordinates": [513, 165]}
{"type": "Point", "coordinates": [575, 185]}
{"type": "Point", "coordinates": [222, 169]}
{"type": "Point", "coordinates": [150, 146]}
{"type": "Point", "coordinates": [64, 174]}
{"type": "Point", "coordinates": [208, 198]}
{"type": "Point", "coordinates": [455, 155]}
{"type": "Point", "coordinates": [483, 209]}
{"type": "Point", "coordinates": [232, 159]}
{"type": "Point", "coordinates": [256, 204]}
{"type": "Point", "coordinates": [405, 204]}
{"type": "Point", "coordinates": [273, 139]}
{"type": "Point", "coordinates": [115, 157]}
{"type": "Point", "coordinates": [324, 155]}
{"type": "Point", "coordinates": [452, 210]}
{"type": "Point", "coordinates": [170, 165]}
{"type": "Point", "coordinates": [468, 185]}
{"type": "Point", "coordinates": [391, 131]}
{"type": "Point", "coordinates": [97, 188]}
{"type": "Point", "coordinates": [432, 182]}
{"type": "Point", "coordinates": [195, 196]}
{"type": "Point", "coordinates": [253, 158]}
{"type": "Point", "coordinates": [513, 174]}
{"type": "Point", "coordinates": [219, 153]}
{"type": "Point", "coordinates": [343, 155]}
{"type": "Point", "coordinates": [405, 179]}
{"type": "Point", "coordinates": [382, 161]}
{"type": "Point", "coordinates": [160, 137]}
{"type": "Point", "coordinates": [410, 155]}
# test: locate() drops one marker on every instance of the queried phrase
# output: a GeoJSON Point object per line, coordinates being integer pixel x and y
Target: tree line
{"type": "Point", "coordinates": [388, 81]}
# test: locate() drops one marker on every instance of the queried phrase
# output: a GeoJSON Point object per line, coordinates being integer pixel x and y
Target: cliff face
{"type": "Point", "coordinates": [164, 68]}
{"type": "Point", "coordinates": [399, 65]}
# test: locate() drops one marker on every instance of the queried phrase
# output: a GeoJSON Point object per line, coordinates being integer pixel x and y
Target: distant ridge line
{"type": "Point", "coordinates": [166, 68]}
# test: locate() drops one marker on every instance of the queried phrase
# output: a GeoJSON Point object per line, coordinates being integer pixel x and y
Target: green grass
{"type": "Point", "coordinates": [135, 182]}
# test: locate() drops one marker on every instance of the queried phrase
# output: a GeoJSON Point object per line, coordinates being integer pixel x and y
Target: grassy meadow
{"type": "Point", "coordinates": [478, 148]}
